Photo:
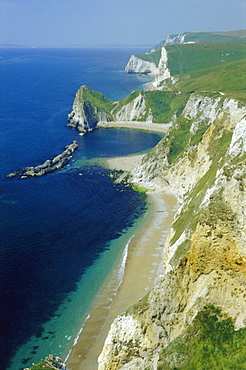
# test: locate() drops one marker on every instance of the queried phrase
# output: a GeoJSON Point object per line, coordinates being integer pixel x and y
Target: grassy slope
{"type": "Point", "coordinates": [98, 99]}
{"type": "Point", "coordinates": [210, 343]}
{"type": "Point", "coordinates": [164, 104]}
{"type": "Point", "coordinates": [193, 57]}
{"type": "Point", "coordinates": [228, 78]}
{"type": "Point", "coordinates": [151, 57]}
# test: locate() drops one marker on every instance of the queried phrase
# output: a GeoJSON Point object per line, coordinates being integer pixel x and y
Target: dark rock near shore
{"type": "Point", "coordinates": [49, 165]}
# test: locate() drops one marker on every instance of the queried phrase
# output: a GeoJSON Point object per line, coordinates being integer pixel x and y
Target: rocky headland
{"type": "Point", "coordinates": [49, 165]}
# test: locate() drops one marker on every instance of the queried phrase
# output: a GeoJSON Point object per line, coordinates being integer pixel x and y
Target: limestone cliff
{"type": "Point", "coordinates": [139, 65]}
{"type": "Point", "coordinates": [86, 113]}
{"type": "Point", "coordinates": [133, 110]}
{"type": "Point", "coordinates": [161, 71]}
{"type": "Point", "coordinates": [202, 160]}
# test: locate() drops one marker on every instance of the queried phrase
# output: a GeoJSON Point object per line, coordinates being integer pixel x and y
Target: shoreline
{"type": "Point", "coordinates": [141, 262]}
{"type": "Point", "coordinates": [147, 126]}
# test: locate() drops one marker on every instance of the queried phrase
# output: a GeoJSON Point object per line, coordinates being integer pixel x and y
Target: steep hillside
{"type": "Point", "coordinates": [89, 108]}
{"type": "Point", "coordinates": [201, 159]}
{"type": "Point", "coordinates": [176, 60]}
{"type": "Point", "coordinates": [193, 57]}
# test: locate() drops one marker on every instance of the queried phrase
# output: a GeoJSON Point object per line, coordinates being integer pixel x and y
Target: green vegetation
{"type": "Point", "coordinates": [164, 104]}
{"type": "Point", "coordinates": [189, 216]}
{"type": "Point", "coordinates": [50, 362]}
{"type": "Point", "coordinates": [216, 37]}
{"type": "Point", "coordinates": [228, 78]}
{"type": "Point", "coordinates": [41, 366]}
{"type": "Point", "coordinates": [98, 99]}
{"type": "Point", "coordinates": [151, 57]}
{"type": "Point", "coordinates": [210, 343]}
{"type": "Point", "coordinates": [210, 37]}
{"type": "Point", "coordinates": [139, 307]}
{"type": "Point", "coordinates": [178, 139]}
{"type": "Point", "coordinates": [187, 58]}
{"type": "Point", "coordinates": [126, 101]}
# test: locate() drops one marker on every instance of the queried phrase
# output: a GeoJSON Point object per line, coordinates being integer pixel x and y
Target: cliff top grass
{"type": "Point", "coordinates": [187, 58]}
{"type": "Point", "coordinates": [151, 57]}
{"type": "Point", "coordinates": [228, 78]}
{"type": "Point", "coordinates": [238, 36]}
{"type": "Point", "coordinates": [210, 343]}
{"type": "Point", "coordinates": [164, 104]}
{"type": "Point", "coordinates": [98, 99]}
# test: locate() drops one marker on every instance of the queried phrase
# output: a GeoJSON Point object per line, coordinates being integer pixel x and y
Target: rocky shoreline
{"type": "Point", "coordinates": [49, 165]}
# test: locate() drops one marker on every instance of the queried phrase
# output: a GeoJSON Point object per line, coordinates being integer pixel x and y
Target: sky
{"type": "Point", "coordinates": [113, 22]}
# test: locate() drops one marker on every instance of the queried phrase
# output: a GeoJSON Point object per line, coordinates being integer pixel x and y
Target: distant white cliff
{"type": "Point", "coordinates": [139, 65]}
{"type": "Point", "coordinates": [162, 72]}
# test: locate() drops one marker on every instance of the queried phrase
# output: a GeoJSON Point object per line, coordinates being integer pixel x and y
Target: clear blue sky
{"type": "Point", "coordinates": [105, 22]}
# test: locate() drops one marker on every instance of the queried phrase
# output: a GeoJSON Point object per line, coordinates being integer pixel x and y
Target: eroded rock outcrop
{"type": "Point", "coordinates": [50, 165]}
{"type": "Point", "coordinates": [139, 65]}
{"type": "Point", "coordinates": [86, 113]}
{"type": "Point", "coordinates": [162, 72]}
{"type": "Point", "coordinates": [163, 75]}
{"type": "Point", "coordinates": [50, 362]}
{"type": "Point", "coordinates": [133, 110]}
{"type": "Point", "coordinates": [204, 254]}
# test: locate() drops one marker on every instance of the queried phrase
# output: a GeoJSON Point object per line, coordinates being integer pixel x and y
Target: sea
{"type": "Point", "coordinates": [60, 233]}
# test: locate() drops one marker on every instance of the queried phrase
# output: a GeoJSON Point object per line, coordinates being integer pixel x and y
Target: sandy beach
{"type": "Point", "coordinates": [147, 126]}
{"type": "Point", "coordinates": [142, 266]}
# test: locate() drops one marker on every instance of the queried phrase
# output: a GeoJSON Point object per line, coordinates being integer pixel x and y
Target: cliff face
{"type": "Point", "coordinates": [204, 254]}
{"type": "Point", "coordinates": [162, 72]}
{"type": "Point", "coordinates": [85, 112]}
{"type": "Point", "coordinates": [138, 65]}
{"type": "Point", "coordinates": [133, 110]}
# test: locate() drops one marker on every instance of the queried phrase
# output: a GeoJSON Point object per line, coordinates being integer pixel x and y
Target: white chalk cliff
{"type": "Point", "coordinates": [139, 65]}
{"type": "Point", "coordinates": [133, 110]}
{"type": "Point", "coordinates": [85, 115]}
{"type": "Point", "coordinates": [204, 254]}
{"type": "Point", "coordinates": [162, 72]}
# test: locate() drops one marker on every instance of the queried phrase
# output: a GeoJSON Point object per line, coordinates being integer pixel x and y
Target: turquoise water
{"type": "Point", "coordinates": [61, 233]}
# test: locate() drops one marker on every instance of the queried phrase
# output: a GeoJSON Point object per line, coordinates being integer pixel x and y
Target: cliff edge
{"type": "Point", "coordinates": [202, 160]}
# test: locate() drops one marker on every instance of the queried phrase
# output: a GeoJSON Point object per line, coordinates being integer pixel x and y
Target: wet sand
{"type": "Point", "coordinates": [143, 266]}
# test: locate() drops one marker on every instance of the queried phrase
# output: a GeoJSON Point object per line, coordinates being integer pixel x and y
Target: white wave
{"type": "Point", "coordinates": [77, 338]}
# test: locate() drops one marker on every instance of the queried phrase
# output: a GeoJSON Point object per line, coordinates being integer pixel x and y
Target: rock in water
{"type": "Point", "coordinates": [49, 165]}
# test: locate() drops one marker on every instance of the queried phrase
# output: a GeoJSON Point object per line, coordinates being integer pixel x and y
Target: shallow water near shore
{"type": "Point", "coordinates": [61, 233]}
{"type": "Point", "coordinates": [142, 264]}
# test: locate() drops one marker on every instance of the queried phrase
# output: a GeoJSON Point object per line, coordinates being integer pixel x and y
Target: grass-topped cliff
{"type": "Point", "coordinates": [211, 342]}
{"type": "Point", "coordinates": [211, 69]}
{"type": "Point", "coordinates": [195, 317]}
{"type": "Point", "coordinates": [238, 36]}
{"type": "Point", "coordinates": [193, 57]}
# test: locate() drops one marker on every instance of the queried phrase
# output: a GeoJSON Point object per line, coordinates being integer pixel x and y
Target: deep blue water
{"type": "Point", "coordinates": [54, 229]}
